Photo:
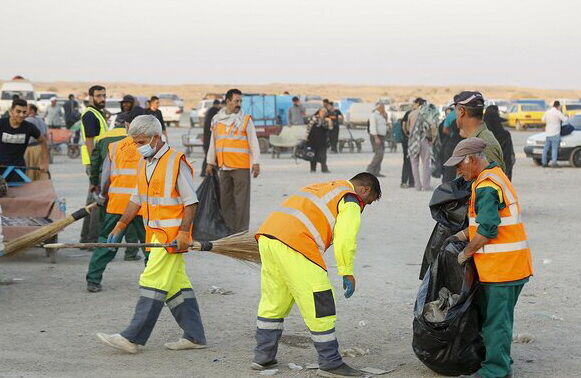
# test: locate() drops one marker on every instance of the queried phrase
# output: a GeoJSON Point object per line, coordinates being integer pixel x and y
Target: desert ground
{"type": "Point", "coordinates": [48, 320]}
{"type": "Point", "coordinates": [192, 93]}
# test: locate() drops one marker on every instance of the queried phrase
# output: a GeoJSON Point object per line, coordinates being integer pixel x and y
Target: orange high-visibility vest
{"type": "Point", "coordinates": [162, 208]}
{"type": "Point", "coordinates": [305, 220]}
{"type": "Point", "coordinates": [507, 257]}
{"type": "Point", "coordinates": [124, 161]}
{"type": "Point", "coordinates": [232, 147]}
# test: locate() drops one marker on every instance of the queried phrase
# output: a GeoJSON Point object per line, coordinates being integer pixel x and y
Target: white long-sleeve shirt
{"type": "Point", "coordinates": [378, 124]}
{"type": "Point", "coordinates": [238, 120]}
{"type": "Point", "coordinates": [553, 119]}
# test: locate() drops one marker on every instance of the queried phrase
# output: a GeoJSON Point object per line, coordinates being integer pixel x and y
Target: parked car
{"type": "Point", "coordinates": [521, 116]}
{"type": "Point", "coordinates": [17, 86]}
{"type": "Point", "coordinates": [197, 114]}
{"type": "Point", "coordinates": [346, 102]}
{"type": "Point", "coordinates": [503, 105]}
{"type": "Point", "coordinates": [43, 100]}
{"type": "Point", "coordinates": [569, 150]}
{"type": "Point", "coordinates": [171, 111]}
{"type": "Point", "coordinates": [358, 114]}
{"type": "Point", "coordinates": [174, 97]}
{"type": "Point", "coordinates": [538, 101]}
{"type": "Point", "coordinates": [571, 110]}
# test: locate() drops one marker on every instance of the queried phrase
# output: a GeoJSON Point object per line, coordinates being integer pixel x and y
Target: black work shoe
{"type": "Point", "coordinates": [340, 371]}
{"type": "Point", "coordinates": [132, 258]}
{"type": "Point", "coordinates": [93, 287]}
{"type": "Point", "coordinates": [268, 365]}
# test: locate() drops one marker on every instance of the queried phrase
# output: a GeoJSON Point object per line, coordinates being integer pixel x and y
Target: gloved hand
{"type": "Point", "coordinates": [117, 234]}
{"type": "Point", "coordinates": [463, 257]}
{"type": "Point", "coordinates": [349, 285]}
{"type": "Point", "coordinates": [459, 236]}
{"type": "Point", "coordinates": [182, 242]}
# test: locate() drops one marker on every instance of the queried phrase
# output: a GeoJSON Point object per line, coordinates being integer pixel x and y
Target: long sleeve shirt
{"type": "Point", "coordinates": [493, 151]}
{"type": "Point", "coordinates": [553, 119]}
{"type": "Point", "coordinates": [345, 234]}
{"type": "Point", "coordinates": [228, 119]}
{"type": "Point", "coordinates": [488, 202]}
{"type": "Point", "coordinates": [378, 124]}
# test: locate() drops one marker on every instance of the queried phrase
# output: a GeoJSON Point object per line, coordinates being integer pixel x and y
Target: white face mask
{"type": "Point", "coordinates": [146, 150]}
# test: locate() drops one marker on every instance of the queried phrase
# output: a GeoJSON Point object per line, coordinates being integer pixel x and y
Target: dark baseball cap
{"type": "Point", "coordinates": [469, 146]}
{"type": "Point", "coordinates": [128, 98]}
{"type": "Point", "coordinates": [470, 99]}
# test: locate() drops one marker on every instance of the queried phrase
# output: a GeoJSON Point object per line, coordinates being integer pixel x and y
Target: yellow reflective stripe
{"type": "Point", "coordinates": [169, 175]}
{"type": "Point", "coordinates": [120, 190]}
{"type": "Point", "coordinates": [123, 171]}
{"type": "Point", "coordinates": [307, 223]}
{"type": "Point", "coordinates": [504, 247]}
{"type": "Point", "coordinates": [490, 184]}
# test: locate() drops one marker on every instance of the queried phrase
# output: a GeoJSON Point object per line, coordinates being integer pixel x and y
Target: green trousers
{"type": "Point", "coordinates": [496, 304]}
{"type": "Point", "coordinates": [102, 256]}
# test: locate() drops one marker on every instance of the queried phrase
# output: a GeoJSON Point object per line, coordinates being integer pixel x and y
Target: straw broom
{"type": "Point", "coordinates": [46, 232]}
{"type": "Point", "coordinates": [241, 246]}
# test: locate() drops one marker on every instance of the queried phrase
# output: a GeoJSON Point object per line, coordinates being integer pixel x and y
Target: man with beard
{"type": "Point", "coordinates": [93, 127]}
{"type": "Point", "coordinates": [234, 149]}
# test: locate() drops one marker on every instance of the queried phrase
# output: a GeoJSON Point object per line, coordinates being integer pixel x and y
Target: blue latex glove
{"type": "Point", "coordinates": [349, 285]}
{"type": "Point", "coordinates": [114, 238]}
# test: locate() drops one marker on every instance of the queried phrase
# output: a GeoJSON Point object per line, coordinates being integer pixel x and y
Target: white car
{"type": "Point", "coordinates": [358, 114]}
{"type": "Point", "coordinates": [199, 112]}
{"type": "Point", "coordinates": [171, 111]}
{"type": "Point", "coordinates": [22, 88]}
{"type": "Point", "coordinates": [173, 97]}
{"type": "Point", "coordinates": [569, 150]}
{"type": "Point", "coordinates": [43, 100]}
{"type": "Point", "coordinates": [113, 105]}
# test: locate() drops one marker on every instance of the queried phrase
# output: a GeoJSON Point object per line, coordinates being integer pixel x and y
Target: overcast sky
{"type": "Point", "coordinates": [432, 42]}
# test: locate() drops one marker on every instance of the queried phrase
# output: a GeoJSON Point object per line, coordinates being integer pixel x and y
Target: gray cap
{"type": "Point", "coordinates": [469, 146]}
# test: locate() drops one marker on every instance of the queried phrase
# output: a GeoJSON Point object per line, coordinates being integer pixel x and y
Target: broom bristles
{"type": "Point", "coordinates": [241, 246]}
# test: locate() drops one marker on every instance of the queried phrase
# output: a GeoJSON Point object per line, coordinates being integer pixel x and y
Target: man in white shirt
{"type": "Point", "coordinates": [234, 149]}
{"type": "Point", "coordinates": [553, 119]}
{"type": "Point", "coordinates": [378, 121]}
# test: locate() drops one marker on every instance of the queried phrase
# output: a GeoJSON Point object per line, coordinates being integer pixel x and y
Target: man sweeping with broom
{"type": "Point", "coordinates": [165, 194]}
{"type": "Point", "coordinates": [292, 241]}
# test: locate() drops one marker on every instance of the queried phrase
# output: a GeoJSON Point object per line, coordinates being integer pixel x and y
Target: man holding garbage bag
{"type": "Point", "coordinates": [499, 246]}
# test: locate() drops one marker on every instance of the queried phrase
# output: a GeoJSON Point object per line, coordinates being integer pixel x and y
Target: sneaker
{"type": "Point", "coordinates": [132, 258]}
{"type": "Point", "coordinates": [118, 342]}
{"type": "Point", "coordinates": [340, 371]}
{"type": "Point", "coordinates": [183, 344]}
{"type": "Point", "coordinates": [93, 287]}
{"type": "Point", "coordinates": [268, 365]}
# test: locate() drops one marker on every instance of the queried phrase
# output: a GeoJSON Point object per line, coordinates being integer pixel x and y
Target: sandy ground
{"type": "Point", "coordinates": [48, 320]}
{"type": "Point", "coordinates": [192, 93]}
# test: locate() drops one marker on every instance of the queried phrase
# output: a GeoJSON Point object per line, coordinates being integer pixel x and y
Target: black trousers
{"type": "Point", "coordinates": [334, 138]}
{"type": "Point", "coordinates": [321, 157]}
{"type": "Point", "coordinates": [406, 171]}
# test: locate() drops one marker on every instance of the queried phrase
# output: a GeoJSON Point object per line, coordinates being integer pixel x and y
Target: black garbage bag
{"type": "Point", "coordinates": [452, 345]}
{"type": "Point", "coordinates": [304, 151]}
{"type": "Point", "coordinates": [208, 222]}
{"type": "Point", "coordinates": [449, 207]}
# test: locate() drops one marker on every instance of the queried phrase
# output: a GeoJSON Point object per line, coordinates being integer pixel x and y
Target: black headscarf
{"type": "Point", "coordinates": [494, 123]}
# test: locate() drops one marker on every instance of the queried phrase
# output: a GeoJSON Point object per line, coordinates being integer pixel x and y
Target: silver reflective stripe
{"type": "Point", "coordinates": [324, 338]}
{"type": "Point", "coordinates": [505, 247]}
{"type": "Point", "coordinates": [169, 175]}
{"type": "Point", "coordinates": [164, 223]}
{"type": "Point", "coordinates": [164, 201]}
{"type": "Point", "coordinates": [307, 223]}
{"type": "Point", "coordinates": [510, 220]}
{"type": "Point", "coordinates": [153, 294]}
{"type": "Point", "coordinates": [321, 205]}
{"type": "Point", "coordinates": [269, 325]}
{"type": "Point", "coordinates": [231, 137]}
{"type": "Point", "coordinates": [179, 299]}
{"type": "Point", "coordinates": [123, 171]}
{"type": "Point", "coordinates": [504, 187]}
{"type": "Point", "coordinates": [329, 196]}
{"type": "Point", "coordinates": [228, 149]}
{"type": "Point", "coordinates": [118, 190]}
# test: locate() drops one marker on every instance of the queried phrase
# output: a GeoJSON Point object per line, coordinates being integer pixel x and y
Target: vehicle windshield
{"type": "Point", "coordinates": [46, 96]}
{"type": "Point", "coordinates": [166, 102]}
{"type": "Point", "coordinates": [575, 122]}
{"type": "Point", "coordinates": [573, 106]}
{"type": "Point", "coordinates": [26, 95]}
{"type": "Point", "coordinates": [168, 96]}
{"type": "Point", "coordinates": [532, 108]}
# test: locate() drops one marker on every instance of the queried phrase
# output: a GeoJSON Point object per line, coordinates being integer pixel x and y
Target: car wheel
{"type": "Point", "coordinates": [537, 161]}
{"type": "Point", "coordinates": [264, 145]}
{"type": "Point", "coordinates": [575, 158]}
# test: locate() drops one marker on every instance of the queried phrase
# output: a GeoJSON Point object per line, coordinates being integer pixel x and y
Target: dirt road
{"type": "Point", "coordinates": [48, 320]}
